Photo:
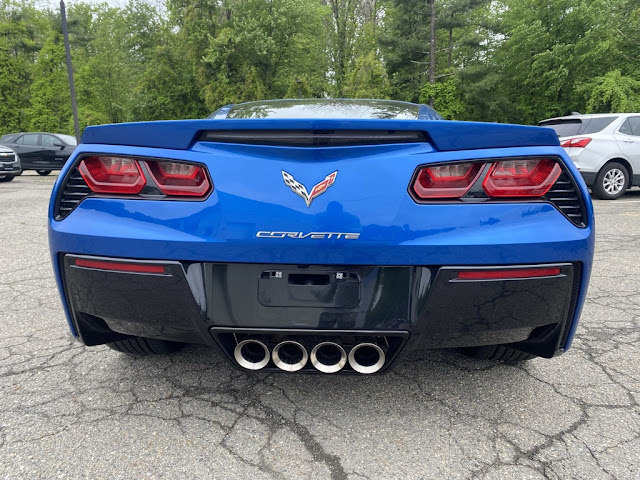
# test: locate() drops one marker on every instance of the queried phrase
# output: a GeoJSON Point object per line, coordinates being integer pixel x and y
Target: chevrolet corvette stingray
{"type": "Point", "coordinates": [322, 236]}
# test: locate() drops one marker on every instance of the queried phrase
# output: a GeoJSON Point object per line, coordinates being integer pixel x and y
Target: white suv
{"type": "Point", "coordinates": [605, 148]}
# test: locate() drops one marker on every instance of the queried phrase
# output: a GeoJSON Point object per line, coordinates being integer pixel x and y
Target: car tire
{"type": "Point", "coordinates": [6, 178]}
{"type": "Point", "coordinates": [500, 353]}
{"type": "Point", "coordinates": [611, 182]}
{"type": "Point", "coordinates": [44, 173]}
{"type": "Point", "coordinates": [137, 346]}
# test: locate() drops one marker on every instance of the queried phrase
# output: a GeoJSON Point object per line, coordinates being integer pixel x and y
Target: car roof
{"type": "Point", "coordinates": [588, 115]}
{"type": "Point", "coordinates": [339, 108]}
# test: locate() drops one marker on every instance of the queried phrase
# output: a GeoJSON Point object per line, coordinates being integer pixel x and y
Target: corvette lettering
{"type": "Point", "coordinates": [314, 235]}
{"type": "Point", "coordinates": [299, 189]}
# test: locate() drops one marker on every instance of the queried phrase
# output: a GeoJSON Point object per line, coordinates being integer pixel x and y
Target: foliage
{"type": "Point", "coordinates": [446, 97]}
{"type": "Point", "coordinates": [50, 101]}
{"type": "Point", "coordinates": [613, 92]}
{"type": "Point", "coordinates": [506, 60]}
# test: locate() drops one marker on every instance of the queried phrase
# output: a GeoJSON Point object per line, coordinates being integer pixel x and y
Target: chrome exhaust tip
{"type": "Point", "coordinates": [251, 354]}
{"type": "Point", "coordinates": [366, 358]}
{"type": "Point", "coordinates": [328, 357]}
{"type": "Point", "coordinates": [289, 356]}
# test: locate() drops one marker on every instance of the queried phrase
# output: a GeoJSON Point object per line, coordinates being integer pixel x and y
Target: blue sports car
{"type": "Point", "coordinates": [322, 236]}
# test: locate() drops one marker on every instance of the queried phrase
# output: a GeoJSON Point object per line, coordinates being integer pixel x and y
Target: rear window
{"type": "Point", "coordinates": [568, 127]}
{"type": "Point", "coordinates": [327, 108]}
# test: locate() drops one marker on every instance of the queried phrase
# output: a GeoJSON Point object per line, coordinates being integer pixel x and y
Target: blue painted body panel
{"type": "Point", "coordinates": [445, 135]}
{"type": "Point", "coordinates": [370, 197]}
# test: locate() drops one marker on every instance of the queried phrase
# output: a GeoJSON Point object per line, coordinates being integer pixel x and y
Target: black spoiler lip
{"type": "Point", "coordinates": [443, 135]}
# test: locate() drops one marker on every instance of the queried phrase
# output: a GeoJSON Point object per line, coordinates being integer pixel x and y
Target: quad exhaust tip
{"type": "Point", "coordinates": [289, 356]}
{"type": "Point", "coordinates": [251, 354]}
{"type": "Point", "coordinates": [366, 358]}
{"type": "Point", "coordinates": [328, 357]}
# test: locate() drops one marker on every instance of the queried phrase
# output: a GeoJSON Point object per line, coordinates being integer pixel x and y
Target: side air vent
{"type": "Point", "coordinates": [313, 138]}
{"type": "Point", "coordinates": [73, 191]}
{"type": "Point", "coordinates": [564, 195]}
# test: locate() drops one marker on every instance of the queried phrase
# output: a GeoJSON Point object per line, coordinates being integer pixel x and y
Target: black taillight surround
{"type": "Point", "coordinates": [73, 184]}
{"type": "Point", "coordinates": [559, 198]}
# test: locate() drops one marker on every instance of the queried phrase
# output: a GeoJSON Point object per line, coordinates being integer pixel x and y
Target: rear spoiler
{"type": "Point", "coordinates": [443, 135]}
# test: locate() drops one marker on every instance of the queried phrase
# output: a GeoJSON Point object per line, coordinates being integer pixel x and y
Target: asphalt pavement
{"type": "Point", "coordinates": [68, 411]}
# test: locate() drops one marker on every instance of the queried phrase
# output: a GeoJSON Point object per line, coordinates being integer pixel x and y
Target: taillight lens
{"type": "Point", "coordinates": [521, 178]}
{"type": "Point", "coordinates": [125, 175]}
{"type": "Point", "coordinates": [576, 142]}
{"type": "Point", "coordinates": [447, 181]}
{"type": "Point", "coordinates": [175, 178]}
{"type": "Point", "coordinates": [112, 174]}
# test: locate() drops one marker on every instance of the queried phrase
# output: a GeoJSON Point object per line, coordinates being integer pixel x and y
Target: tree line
{"type": "Point", "coordinates": [490, 60]}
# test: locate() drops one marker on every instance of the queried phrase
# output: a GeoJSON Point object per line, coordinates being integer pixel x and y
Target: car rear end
{"type": "Point", "coordinates": [588, 140]}
{"type": "Point", "coordinates": [322, 245]}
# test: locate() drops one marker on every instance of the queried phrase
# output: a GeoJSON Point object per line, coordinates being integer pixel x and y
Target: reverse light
{"type": "Point", "coordinates": [175, 178]}
{"type": "Point", "coordinates": [447, 181]}
{"type": "Point", "coordinates": [508, 274]}
{"type": "Point", "coordinates": [521, 177]}
{"type": "Point", "coordinates": [576, 142]}
{"type": "Point", "coordinates": [112, 174]}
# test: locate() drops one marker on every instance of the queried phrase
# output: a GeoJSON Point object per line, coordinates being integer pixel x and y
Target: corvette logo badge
{"type": "Point", "coordinates": [299, 189]}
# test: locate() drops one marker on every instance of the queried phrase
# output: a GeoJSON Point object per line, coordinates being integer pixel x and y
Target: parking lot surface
{"type": "Point", "coordinates": [67, 411]}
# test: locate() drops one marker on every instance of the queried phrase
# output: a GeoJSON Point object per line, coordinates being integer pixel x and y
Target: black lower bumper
{"type": "Point", "coordinates": [589, 178]}
{"type": "Point", "coordinates": [426, 306]}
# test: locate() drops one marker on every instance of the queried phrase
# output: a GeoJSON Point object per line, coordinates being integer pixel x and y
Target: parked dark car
{"type": "Point", "coordinates": [9, 164]}
{"type": "Point", "coordinates": [42, 152]}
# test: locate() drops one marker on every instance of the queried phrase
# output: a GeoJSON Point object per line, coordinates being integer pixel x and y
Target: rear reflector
{"type": "Point", "coordinates": [112, 174]}
{"type": "Point", "coordinates": [508, 274]}
{"type": "Point", "coordinates": [447, 181]}
{"type": "Point", "coordinates": [521, 178]}
{"type": "Point", "coordinates": [119, 267]}
{"type": "Point", "coordinates": [576, 142]}
{"type": "Point", "coordinates": [175, 178]}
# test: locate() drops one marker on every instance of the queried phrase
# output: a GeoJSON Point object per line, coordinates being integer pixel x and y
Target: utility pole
{"type": "Point", "coordinates": [432, 47]}
{"type": "Point", "coordinates": [72, 88]}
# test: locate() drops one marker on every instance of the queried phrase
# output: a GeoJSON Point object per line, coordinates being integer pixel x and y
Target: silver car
{"type": "Point", "coordinates": [9, 164]}
{"type": "Point", "coordinates": [604, 147]}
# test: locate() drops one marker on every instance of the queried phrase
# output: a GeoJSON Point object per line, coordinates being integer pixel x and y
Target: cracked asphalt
{"type": "Point", "coordinates": [67, 411]}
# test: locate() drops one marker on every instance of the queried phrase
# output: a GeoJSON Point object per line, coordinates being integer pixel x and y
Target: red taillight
{"type": "Point", "coordinates": [576, 142]}
{"type": "Point", "coordinates": [124, 175]}
{"type": "Point", "coordinates": [119, 267]}
{"type": "Point", "coordinates": [112, 174]}
{"type": "Point", "coordinates": [521, 178]}
{"type": "Point", "coordinates": [175, 178]}
{"type": "Point", "coordinates": [447, 181]}
{"type": "Point", "coordinates": [508, 274]}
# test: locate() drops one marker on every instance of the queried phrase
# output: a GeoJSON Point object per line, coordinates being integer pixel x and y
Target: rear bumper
{"type": "Point", "coordinates": [423, 306]}
{"type": "Point", "coordinates": [589, 177]}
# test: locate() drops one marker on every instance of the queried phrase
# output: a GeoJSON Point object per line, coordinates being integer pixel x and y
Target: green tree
{"type": "Point", "coordinates": [613, 92]}
{"type": "Point", "coordinates": [446, 97]}
{"type": "Point", "coordinates": [50, 108]}
{"type": "Point", "coordinates": [262, 46]}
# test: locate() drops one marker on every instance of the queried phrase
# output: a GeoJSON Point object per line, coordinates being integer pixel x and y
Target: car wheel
{"type": "Point", "coordinates": [611, 182]}
{"type": "Point", "coordinates": [497, 353]}
{"type": "Point", "coordinates": [43, 172]}
{"type": "Point", "coordinates": [137, 346]}
{"type": "Point", "coordinates": [6, 178]}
